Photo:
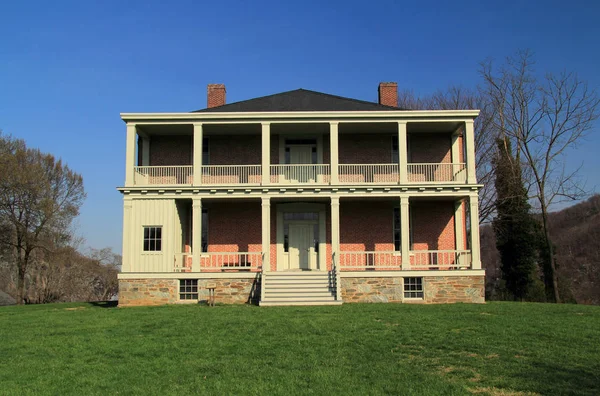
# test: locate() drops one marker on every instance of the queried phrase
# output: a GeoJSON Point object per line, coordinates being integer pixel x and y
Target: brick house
{"type": "Point", "coordinates": [301, 198]}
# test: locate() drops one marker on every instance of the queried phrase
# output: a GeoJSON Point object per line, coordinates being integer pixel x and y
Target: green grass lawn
{"type": "Point", "coordinates": [497, 349]}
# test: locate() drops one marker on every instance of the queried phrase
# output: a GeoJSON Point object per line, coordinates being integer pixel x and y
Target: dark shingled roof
{"type": "Point", "coordinates": [299, 100]}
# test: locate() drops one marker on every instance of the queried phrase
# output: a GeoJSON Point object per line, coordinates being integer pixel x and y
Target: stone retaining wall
{"type": "Point", "coordinates": [437, 289]}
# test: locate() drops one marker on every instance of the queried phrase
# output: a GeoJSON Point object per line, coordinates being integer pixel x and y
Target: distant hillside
{"type": "Point", "coordinates": [576, 234]}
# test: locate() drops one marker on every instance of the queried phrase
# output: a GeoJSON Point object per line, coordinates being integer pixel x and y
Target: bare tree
{"type": "Point", "coordinates": [544, 119]}
{"type": "Point", "coordinates": [39, 197]}
{"type": "Point", "coordinates": [458, 98]}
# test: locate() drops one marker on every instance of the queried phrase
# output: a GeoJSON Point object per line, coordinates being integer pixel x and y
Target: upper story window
{"type": "Point", "coordinates": [397, 230]}
{"type": "Point", "coordinates": [205, 151]}
{"type": "Point", "coordinates": [152, 239]}
{"type": "Point", "coordinates": [395, 157]}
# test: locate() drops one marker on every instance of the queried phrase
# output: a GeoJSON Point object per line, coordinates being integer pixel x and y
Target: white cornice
{"type": "Point", "coordinates": [330, 115]}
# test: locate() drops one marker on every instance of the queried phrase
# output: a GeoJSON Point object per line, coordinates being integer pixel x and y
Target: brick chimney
{"type": "Point", "coordinates": [216, 95]}
{"type": "Point", "coordinates": [388, 94]}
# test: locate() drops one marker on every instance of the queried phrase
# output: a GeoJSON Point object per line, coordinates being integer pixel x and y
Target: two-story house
{"type": "Point", "coordinates": [301, 198]}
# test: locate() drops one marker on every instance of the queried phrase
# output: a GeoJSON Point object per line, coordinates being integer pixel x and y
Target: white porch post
{"type": "Point", "coordinates": [198, 138]}
{"type": "Point", "coordinates": [266, 153]}
{"type": "Point", "coordinates": [455, 148]}
{"type": "Point", "coordinates": [130, 153]}
{"type": "Point", "coordinates": [474, 217]}
{"type": "Point", "coordinates": [459, 229]}
{"type": "Point", "coordinates": [335, 244]}
{"type": "Point", "coordinates": [405, 232]}
{"type": "Point", "coordinates": [196, 233]}
{"type": "Point", "coordinates": [402, 152]}
{"type": "Point", "coordinates": [470, 148]}
{"type": "Point", "coordinates": [334, 152]}
{"type": "Point", "coordinates": [127, 264]}
{"type": "Point", "coordinates": [266, 233]}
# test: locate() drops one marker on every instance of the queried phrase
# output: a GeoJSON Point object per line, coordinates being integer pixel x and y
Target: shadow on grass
{"type": "Point", "coordinates": [104, 304]}
{"type": "Point", "coordinates": [562, 380]}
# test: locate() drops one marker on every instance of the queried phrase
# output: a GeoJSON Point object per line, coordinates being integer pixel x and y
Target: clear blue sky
{"type": "Point", "coordinates": [67, 69]}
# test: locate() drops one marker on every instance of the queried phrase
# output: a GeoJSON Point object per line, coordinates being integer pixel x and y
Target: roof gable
{"type": "Point", "coordinates": [299, 100]}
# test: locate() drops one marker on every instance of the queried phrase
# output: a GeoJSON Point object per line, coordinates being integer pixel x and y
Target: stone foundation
{"type": "Point", "coordinates": [140, 292]}
{"type": "Point", "coordinates": [135, 292]}
{"type": "Point", "coordinates": [437, 289]}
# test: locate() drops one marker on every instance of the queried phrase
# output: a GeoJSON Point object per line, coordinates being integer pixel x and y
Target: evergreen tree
{"type": "Point", "coordinates": [516, 230]}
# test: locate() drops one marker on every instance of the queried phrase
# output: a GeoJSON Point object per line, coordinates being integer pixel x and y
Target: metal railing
{"type": "Point", "coordinates": [300, 173]}
{"type": "Point", "coordinates": [231, 174]}
{"type": "Point", "coordinates": [440, 259]}
{"type": "Point", "coordinates": [443, 172]}
{"type": "Point", "coordinates": [368, 173]}
{"type": "Point", "coordinates": [231, 261]}
{"type": "Point", "coordinates": [164, 175]}
{"type": "Point", "coordinates": [380, 260]}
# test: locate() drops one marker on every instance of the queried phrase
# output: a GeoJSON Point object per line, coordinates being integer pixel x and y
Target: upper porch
{"type": "Point", "coordinates": [428, 150]}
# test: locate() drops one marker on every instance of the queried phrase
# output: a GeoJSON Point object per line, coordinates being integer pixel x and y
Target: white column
{"type": "Point", "coordinates": [198, 139]}
{"type": "Point", "coordinates": [145, 151]}
{"type": "Point", "coordinates": [405, 232]}
{"type": "Point", "coordinates": [402, 152]}
{"type": "Point", "coordinates": [266, 153]}
{"type": "Point", "coordinates": [130, 153]}
{"type": "Point", "coordinates": [334, 151]}
{"type": "Point", "coordinates": [470, 148]}
{"type": "Point", "coordinates": [459, 226]}
{"type": "Point", "coordinates": [127, 264]}
{"type": "Point", "coordinates": [455, 148]}
{"type": "Point", "coordinates": [335, 228]}
{"type": "Point", "coordinates": [196, 233]}
{"type": "Point", "coordinates": [266, 233]}
{"type": "Point", "coordinates": [474, 217]}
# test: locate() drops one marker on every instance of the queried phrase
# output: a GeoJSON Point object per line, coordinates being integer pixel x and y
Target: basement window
{"type": "Point", "coordinates": [152, 239]}
{"type": "Point", "coordinates": [413, 287]}
{"type": "Point", "coordinates": [188, 289]}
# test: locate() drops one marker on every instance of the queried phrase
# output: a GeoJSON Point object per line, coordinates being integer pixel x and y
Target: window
{"type": "Point", "coordinates": [188, 289]}
{"type": "Point", "coordinates": [152, 239]}
{"type": "Point", "coordinates": [205, 152]}
{"type": "Point", "coordinates": [204, 230]}
{"type": "Point", "coordinates": [395, 157]}
{"type": "Point", "coordinates": [413, 287]}
{"type": "Point", "coordinates": [397, 240]}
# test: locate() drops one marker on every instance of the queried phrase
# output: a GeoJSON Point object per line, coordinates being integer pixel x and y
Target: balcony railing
{"type": "Point", "coordinates": [300, 173]}
{"type": "Point", "coordinates": [182, 262]}
{"type": "Point", "coordinates": [440, 259]}
{"type": "Point", "coordinates": [231, 174]}
{"type": "Point", "coordinates": [443, 172]}
{"type": "Point", "coordinates": [359, 261]}
{"type": "Point", "coordinates": [368, 173]}
{"type": "Point", "coordinates": [151, 175]}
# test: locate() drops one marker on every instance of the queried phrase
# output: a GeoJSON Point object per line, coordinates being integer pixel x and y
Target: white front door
{"type": "Point", "coordinates": [301, 249]}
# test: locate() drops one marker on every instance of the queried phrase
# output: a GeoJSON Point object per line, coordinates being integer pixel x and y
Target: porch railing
{"type": "Point", "coordinates": [231, 174]}
{"type": "Point", "coordinates": [231, 261]}
{"type": "Point", "coordinates": [379, 260]}
{"type": "Point", "coordinates": [182, 262]}
{"type": "Point", "coordinates": [443, 172]}
{"type": "Point", "coordinates": [440, 259]}
{"type": "Point", "coordinates": [149, 175]}
{"type": "Point", "coordinates": [300, 173]}
{"type": "Point", "coordinates": [368, 173]}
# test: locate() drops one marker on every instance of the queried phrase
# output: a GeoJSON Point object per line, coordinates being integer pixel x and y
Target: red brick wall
{"type": "Point", "coordinates": [234, 226]}
{"type": "Point", "coordinates": [366, 225]}
{"type": "Point", "coordinates": [433, 225]}
{"type": "Point", "coordinates": [430, 148]}
{"type": "Point", "coordinates": [170, 150]}
{"type": "Point", "coordinates": [365, 149]}
{"type": "Point", "coordinates": [273, 237]}
{"type": "Point", "coordinates": [235, 150]}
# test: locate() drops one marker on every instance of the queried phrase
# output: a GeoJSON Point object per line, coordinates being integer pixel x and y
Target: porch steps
{"type": "Point", "coordinates": [298, 288]}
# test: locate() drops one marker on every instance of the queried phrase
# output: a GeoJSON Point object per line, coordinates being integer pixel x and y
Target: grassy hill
{"type": "Point", "coordinates": [495, 349]}
{"type": "Point", "coordinates": [576, 234]}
